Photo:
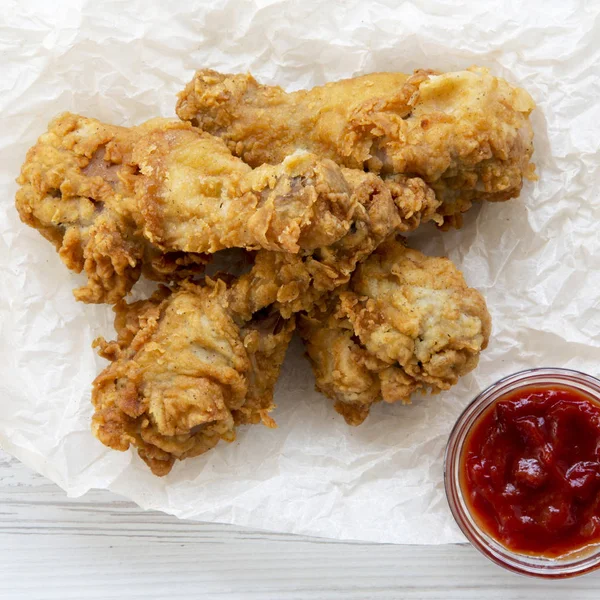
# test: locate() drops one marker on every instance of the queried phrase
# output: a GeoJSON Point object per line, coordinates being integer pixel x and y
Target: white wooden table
{"type": "Point", "coordinates": [101, 546]}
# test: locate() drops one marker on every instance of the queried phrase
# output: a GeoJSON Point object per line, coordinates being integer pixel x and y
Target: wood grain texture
{"type": "Point", "coordinates": [101, 546]}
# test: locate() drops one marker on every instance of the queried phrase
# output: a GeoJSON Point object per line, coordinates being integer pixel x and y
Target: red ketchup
{"type": "Point", "coordinates": [531, 471]}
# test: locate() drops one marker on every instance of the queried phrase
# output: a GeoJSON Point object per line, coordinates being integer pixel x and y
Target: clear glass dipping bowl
{"type": "Point", "coordinates": [575, 563]}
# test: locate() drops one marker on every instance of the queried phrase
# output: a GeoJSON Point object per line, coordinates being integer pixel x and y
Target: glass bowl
{"type": "Point", "coordinates": [575, 563]}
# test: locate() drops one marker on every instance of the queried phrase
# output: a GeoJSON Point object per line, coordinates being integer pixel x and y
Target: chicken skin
{"type": "Point", "coordinates": [466, 133]}
{"type": "Point", "coordinates": [185, 372]}
{"type": "Point", "coordinates": [405, 322]}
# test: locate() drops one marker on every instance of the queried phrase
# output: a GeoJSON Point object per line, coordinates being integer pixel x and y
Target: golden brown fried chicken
{"type": "Point", "coordinates": [155, 198]}
{"type": "Point", "coordinates": [185, 372]}
{"type": "Point", "coordinates": [406, 322]}
{"type": "Point", "coordinates": [466, 133]}
{"type": "Point", "coordinates": [143, 399]}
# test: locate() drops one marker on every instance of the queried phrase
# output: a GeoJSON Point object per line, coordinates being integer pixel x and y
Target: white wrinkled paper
{"type": "Point", "coordinates": [536, 259]}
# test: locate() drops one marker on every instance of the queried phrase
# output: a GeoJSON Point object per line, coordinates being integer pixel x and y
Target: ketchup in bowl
{"type": "Point", "coordinates": [522, 472]}
{"type": "Point", "coordinates": [531, 470]}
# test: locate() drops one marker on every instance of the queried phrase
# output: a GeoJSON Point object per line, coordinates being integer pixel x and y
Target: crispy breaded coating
{"type": "Point", "coordinates": [299, 282]}
{"type": "Point", "coordinates": [466, 133]}
{"type": "Point", "coordinates": [266, 338]}
{"type": "Point", "coordinates": [405, 322]}
{"type": "Point", "coordinates": [185, 371]}
{"type": "Point", "coordinates": [194, 196]}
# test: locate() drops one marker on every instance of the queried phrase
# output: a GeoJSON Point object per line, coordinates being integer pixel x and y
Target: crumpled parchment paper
{"type": "Point", "coordinates": [536, 259]}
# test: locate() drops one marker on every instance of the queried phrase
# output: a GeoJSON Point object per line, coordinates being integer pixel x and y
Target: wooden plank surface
{"type": "Point", "coordinates": [101, 546]}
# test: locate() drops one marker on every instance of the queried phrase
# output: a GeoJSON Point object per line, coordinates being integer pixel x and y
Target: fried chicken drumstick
{"type": "Point", "coordinates": [117, 201]}
{"type": "Point", "coordinates": [406, 322]}
{"type": "Point", "coordinates": [466, 133]}
{"type": "Point", "coordinates": [156, 198]}
{"type": "Point", "coordinates": [185, 371]}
